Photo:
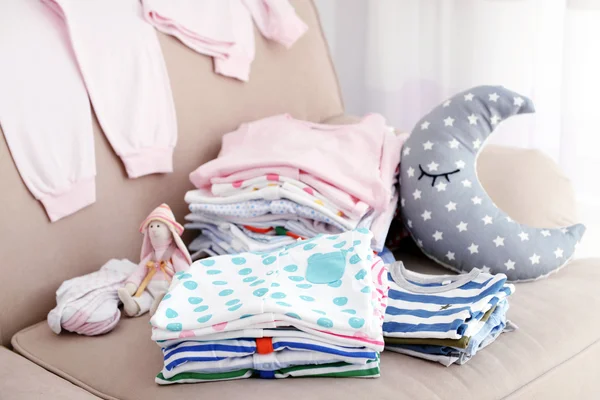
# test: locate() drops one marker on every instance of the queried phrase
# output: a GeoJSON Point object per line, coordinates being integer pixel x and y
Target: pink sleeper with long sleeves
{"type": "Point", "coordinates": [51, 53]}
{"type": "Point", "coordinates": [223, 28]}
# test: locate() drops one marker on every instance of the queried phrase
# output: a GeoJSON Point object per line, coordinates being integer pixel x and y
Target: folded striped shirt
{"type": "Point", "coordinates": [441, 307]}
{"type": "Point", "coordinates": [257, 362]}
{"type": "Point", "coordinates": [448, 355]}
{"type": "Point", "coordinates": [333, 370]}
{"type": "Point", "coordinates": [235, 354]}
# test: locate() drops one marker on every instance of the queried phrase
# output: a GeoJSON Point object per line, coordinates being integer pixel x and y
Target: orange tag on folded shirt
{"type": "Point", "coordinates": [264, 345]}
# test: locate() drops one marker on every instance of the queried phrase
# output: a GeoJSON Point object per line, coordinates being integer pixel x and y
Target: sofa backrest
{"type": "Point", "coordinates": [36, 256]}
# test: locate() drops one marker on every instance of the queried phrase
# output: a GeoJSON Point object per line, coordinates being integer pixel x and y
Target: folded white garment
{"type": "Point", "coordinates": [304, 227]}
{"type": "Point", "coordinates": [352, 209]}
{"type": "Point", "coordinates": [284, 331]}
{"type": "Point", "coordinates": [259, 362]}
{"type": "Point", "coordinates": [269, 199]}
{"type": "Point", "coordinates": [329, 285]}
{"type": "Point", "coordinates": [235, 240]}
{"type": "Point", "coordinates": [90, 301]}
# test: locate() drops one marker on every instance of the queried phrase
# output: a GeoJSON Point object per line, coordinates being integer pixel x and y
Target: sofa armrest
{"type": "Point", "coordinates": [21, 379]}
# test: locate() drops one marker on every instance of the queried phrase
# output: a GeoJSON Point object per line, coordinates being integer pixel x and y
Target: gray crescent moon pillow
{"type": "Point", "coordinates": [447, 211]}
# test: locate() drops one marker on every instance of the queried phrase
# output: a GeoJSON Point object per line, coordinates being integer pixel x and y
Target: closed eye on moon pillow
{"type": "Point", "coordinates": [446, 209]}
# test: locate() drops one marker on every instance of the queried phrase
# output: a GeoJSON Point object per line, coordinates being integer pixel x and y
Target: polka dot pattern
{"type": "Point", "coordinates": [304, 285]}
{"type": "Point", "coordinates": [260, 292]}
{"type": "Point", "coordinates": [174, 327]}
{"type": "Point", "coordinates": [269, 260]}
{"type": "Point", "coordinates": [361, 274]}
{"type": "Point", "coordinates": [340, 301]}
{"type": "Point", "coordinates": [204, 318]}
{"type": "Point", "coordinates": [317, 281]}
{"type": "Point", "coordinates": [191, 285]}
{"type": "Point", "coordinates": [355, 259]}
{"type": "Point", "coordinates": [238, 260]}
{"type": "Point", "coordinates": [325, 322]}
{"type": "Point", "coordinates": [291, 268]}
{"type": "Point", "coordinates": [356, 323]}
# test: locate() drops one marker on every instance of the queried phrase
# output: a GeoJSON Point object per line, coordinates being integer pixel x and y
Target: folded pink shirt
{"type": "Point", "coordinates": [359, 159]}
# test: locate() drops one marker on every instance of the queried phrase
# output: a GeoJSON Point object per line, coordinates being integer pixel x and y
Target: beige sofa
{"type": "Point", "coordinates": [553, 355]}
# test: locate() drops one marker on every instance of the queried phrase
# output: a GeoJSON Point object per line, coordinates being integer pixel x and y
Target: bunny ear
{"type": "Point", "coordinates": [147, 248]}
{"type": "Point", "coordinates": [447, 210]}
{"type": "Point", "coordinates": [181, 246]}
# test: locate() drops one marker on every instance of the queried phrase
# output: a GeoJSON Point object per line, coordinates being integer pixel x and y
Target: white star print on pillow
{"type": "Point", "coordinates": [442, 193]}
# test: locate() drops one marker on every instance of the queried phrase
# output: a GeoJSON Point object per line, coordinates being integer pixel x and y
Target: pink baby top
{"type": "Point", "coordinates": [359, 159]}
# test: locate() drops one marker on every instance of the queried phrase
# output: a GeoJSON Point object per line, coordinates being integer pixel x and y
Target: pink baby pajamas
{"type": "Point", "coordinates": [223, 28]}
{"type": "Point", "coordinates": [126, 78]}
{"type": "Point", "coordinates": [54, 51]}
{"type": "Point", "coordinates": [44, 109]}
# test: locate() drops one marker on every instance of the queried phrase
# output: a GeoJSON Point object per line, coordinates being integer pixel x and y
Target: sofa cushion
{"type": "Point", "coordinates": [20, 379]}
{"type": "Point", "coordinates": [559, 328]}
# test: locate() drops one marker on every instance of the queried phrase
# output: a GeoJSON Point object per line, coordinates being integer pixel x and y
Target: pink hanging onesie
{"type": "Point", "coordinates": [51, 51]}
{"type": "Point", "coordinates": [223, 28]}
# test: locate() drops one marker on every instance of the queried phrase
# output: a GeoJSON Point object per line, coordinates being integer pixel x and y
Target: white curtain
{"type": "Point", "coordinates": [402, 57]}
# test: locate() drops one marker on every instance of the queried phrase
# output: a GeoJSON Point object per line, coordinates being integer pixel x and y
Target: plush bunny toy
{"type": "Point", "coordinates": [163, 254]}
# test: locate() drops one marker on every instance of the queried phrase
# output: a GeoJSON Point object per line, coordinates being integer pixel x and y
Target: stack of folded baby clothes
{"type": "Point", "coordinates": [445, 318]}
{"type": "Point", "coordinates": [278, 179]}
{"type": "Point", "coordinates": [313, 308]}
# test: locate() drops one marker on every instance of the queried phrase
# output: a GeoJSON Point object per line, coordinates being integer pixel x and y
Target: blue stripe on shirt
{"type": "Point", "coordinates": [427, 298]}
{"type": "Point", "coordinates": [324, 349]}
{"type": "Point", "coordinates": [458, 326]}
{"type": "Point", "coordinates": [391, 310]}
{"type": "Point", "coordinates": [208, 348]}
{"type": "Point", "coordinates": [467, 286]}
{"type": "Point", "coordinates": [429, 349]}
{"type": "Point", "coordinates": [184, 360]}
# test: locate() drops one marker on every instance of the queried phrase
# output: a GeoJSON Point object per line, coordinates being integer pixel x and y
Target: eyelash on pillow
{"type": "Point", "coordinates": [435, 176]}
